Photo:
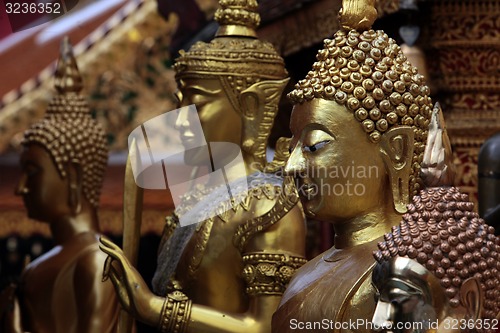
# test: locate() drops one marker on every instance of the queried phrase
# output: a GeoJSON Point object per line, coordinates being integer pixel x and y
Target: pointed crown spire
{"type": "Point", "coordinates": [237, 18]}
{"type": "Point", "coordinates": [235, 55]}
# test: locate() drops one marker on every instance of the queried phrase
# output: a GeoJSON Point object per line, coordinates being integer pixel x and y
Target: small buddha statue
{"type": "Point", "coordinates": [359, 125]}
{"type": "Point", "coordinates": [227, 273]}
{"type": "Point", "coordinates": [63, 162]}
{"type": "Point", "coordinates": [439, 270]}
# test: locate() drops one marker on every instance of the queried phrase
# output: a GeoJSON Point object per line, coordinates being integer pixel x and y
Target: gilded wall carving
{"type": "Point", "coordinates": [465, 37]}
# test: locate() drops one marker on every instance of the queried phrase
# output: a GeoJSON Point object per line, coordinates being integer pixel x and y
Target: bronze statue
{"type": "Point", "coordinates": [359, 128]}
{"type": "Point", "coordinates": [440, 268]}
{"type": "Point", "coordinates": [226, 274]}
{"type": "Point", "coordinates": [63, 164]}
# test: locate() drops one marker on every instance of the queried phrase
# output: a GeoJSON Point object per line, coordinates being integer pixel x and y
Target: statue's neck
{"type": "Point", "coordinates": [364, 228]}
{"type": "Point", "coordinates": [66, 228]}
{"type": "Point", "coordinates": [234, 170]}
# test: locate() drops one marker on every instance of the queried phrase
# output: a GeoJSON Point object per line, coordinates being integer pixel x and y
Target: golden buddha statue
{"type": "Point", "coordinates": [439, 270]}
{"type": "Point", "coordinates": [359, 128]}
{"type": "Point", "coordinates": [226, 274]}
{"type": "Point", "coordinates": [63, 164]}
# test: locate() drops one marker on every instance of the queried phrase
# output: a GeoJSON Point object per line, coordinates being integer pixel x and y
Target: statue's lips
{"type": "Point", "coordinates": [187, 138]}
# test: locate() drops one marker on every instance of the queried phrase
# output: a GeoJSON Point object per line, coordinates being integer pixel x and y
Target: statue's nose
{"type": "Point", "coordinates": [21, 188]}
{"type": "Point", "coordinates": [296, 164]}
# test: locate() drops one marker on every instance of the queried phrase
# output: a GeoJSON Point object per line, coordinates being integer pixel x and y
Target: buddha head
{"type": "Point", "coordinates": [440, 267]}
{"type": "Point", "coordinates": [359, 128]}
{"type": "Point", "coordinates": [235, 81]}
{"type": "Point", "coordinates": [64, 154]}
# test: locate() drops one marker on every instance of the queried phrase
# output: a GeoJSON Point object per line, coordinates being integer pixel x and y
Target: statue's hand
{"type": "Point", "coordinates": [132, 291]}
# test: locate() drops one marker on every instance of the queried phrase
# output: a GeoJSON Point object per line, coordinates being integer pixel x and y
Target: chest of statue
{"type": "Point", "coordinates": [331, 293]}
{"type": "Point", "coordinates": [48, 286]}
{"type": "Point", "coordinates": [211, 265]}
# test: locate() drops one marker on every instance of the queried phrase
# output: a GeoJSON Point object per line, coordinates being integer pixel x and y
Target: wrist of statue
{"type": "Point", "coordinates": [175, 313]}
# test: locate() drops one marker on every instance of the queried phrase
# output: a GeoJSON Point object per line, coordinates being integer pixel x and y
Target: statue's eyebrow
{"type": "Point", "coordinates": [202, 90]}
{"type": "Point", "coordinates": [321, 127]}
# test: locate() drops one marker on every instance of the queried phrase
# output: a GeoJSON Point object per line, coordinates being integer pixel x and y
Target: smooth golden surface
{"type": "Point", "coordinates": [228, 272]}
{"type": "Point", "coordinates": [347, 176]}
{"type": "Point", "coordinates": [62, 290]}
{"type": "Point", "coordinates": [357, 14]}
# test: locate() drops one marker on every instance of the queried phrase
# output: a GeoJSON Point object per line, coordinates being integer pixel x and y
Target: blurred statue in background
{"type": "Point", "coordinates": [63, 164]}
{"type": "Point", "coordinates": [359, 128]}
{"type": "Point", "coordinates": [226, 274]}
{"type": "Point", "coordinates": [489, 182]}
{"type": "Point", "coordinates": [439, 268]}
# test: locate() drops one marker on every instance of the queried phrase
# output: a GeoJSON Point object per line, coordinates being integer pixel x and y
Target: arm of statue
{"type": "Point", "coordinates": [137, 299]}
{"type": "Point", "coordinates": [96, 301]}
{"type": "Point", "coordinates": [270, 258]}
{"type": "Point", "coordinates": [176, 313]}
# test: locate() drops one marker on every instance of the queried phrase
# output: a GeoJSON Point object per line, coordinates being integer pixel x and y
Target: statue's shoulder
{"type": "Point", "coordinates": [277, 196]}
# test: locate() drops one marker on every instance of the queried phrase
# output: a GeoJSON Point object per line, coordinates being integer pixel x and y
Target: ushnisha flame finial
{"type": "Point", "coordinates": [357, 14]}
{"type": "Point", "coordinates": [237, 18]}
{"type": "Point", "coordinates": [67, 75]}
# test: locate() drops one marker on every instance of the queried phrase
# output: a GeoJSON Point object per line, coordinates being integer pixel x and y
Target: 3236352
{"type": "Point", "coordinates": [25, 14]}
{"type": "Point", "coordinates": [471, 324]}
{"type": "Point", "coordinates": [33, 8]}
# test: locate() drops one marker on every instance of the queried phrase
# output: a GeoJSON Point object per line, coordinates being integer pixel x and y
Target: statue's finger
{"type": "Point", "coordinates": [120, 290]}
{"type": "Point", "coordinates": [106, 269]}
{"type": "Point", "coordinates": [108, 243]}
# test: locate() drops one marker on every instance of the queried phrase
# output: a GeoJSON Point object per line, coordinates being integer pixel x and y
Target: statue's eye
{"type": "Point", "coordinates": [31, 170]}
{"type": "Point", "coordinates": [316, 146]}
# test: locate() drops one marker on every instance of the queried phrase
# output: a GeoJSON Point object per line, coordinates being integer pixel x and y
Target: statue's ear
{"type": "Point", "coordinates": [259, 106]}
{"type": "Point", "coordinates": [254, 99]}
{"type": "Point", "coordinates": [471, 298]}
{"type": "Point", "coordinates": [75, 190]}
{"type": "Point", "coordinates": [396, 146]}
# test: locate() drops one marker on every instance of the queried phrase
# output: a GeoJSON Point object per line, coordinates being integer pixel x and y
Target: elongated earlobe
{"type": "Point", "coordinates": [74, 173]}
{"type": "Point", "coordinates": [396, 146]}
{"type": "Point", "coordinates": [259, 106]}
{"type": "Point", "coordinates": [471, 298]}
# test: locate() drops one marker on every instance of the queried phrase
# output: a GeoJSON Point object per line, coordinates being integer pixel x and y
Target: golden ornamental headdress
{"type": "Point", "coordinates": [235, 53]}
{"type": "Point", "coordinates": [68, 132]}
